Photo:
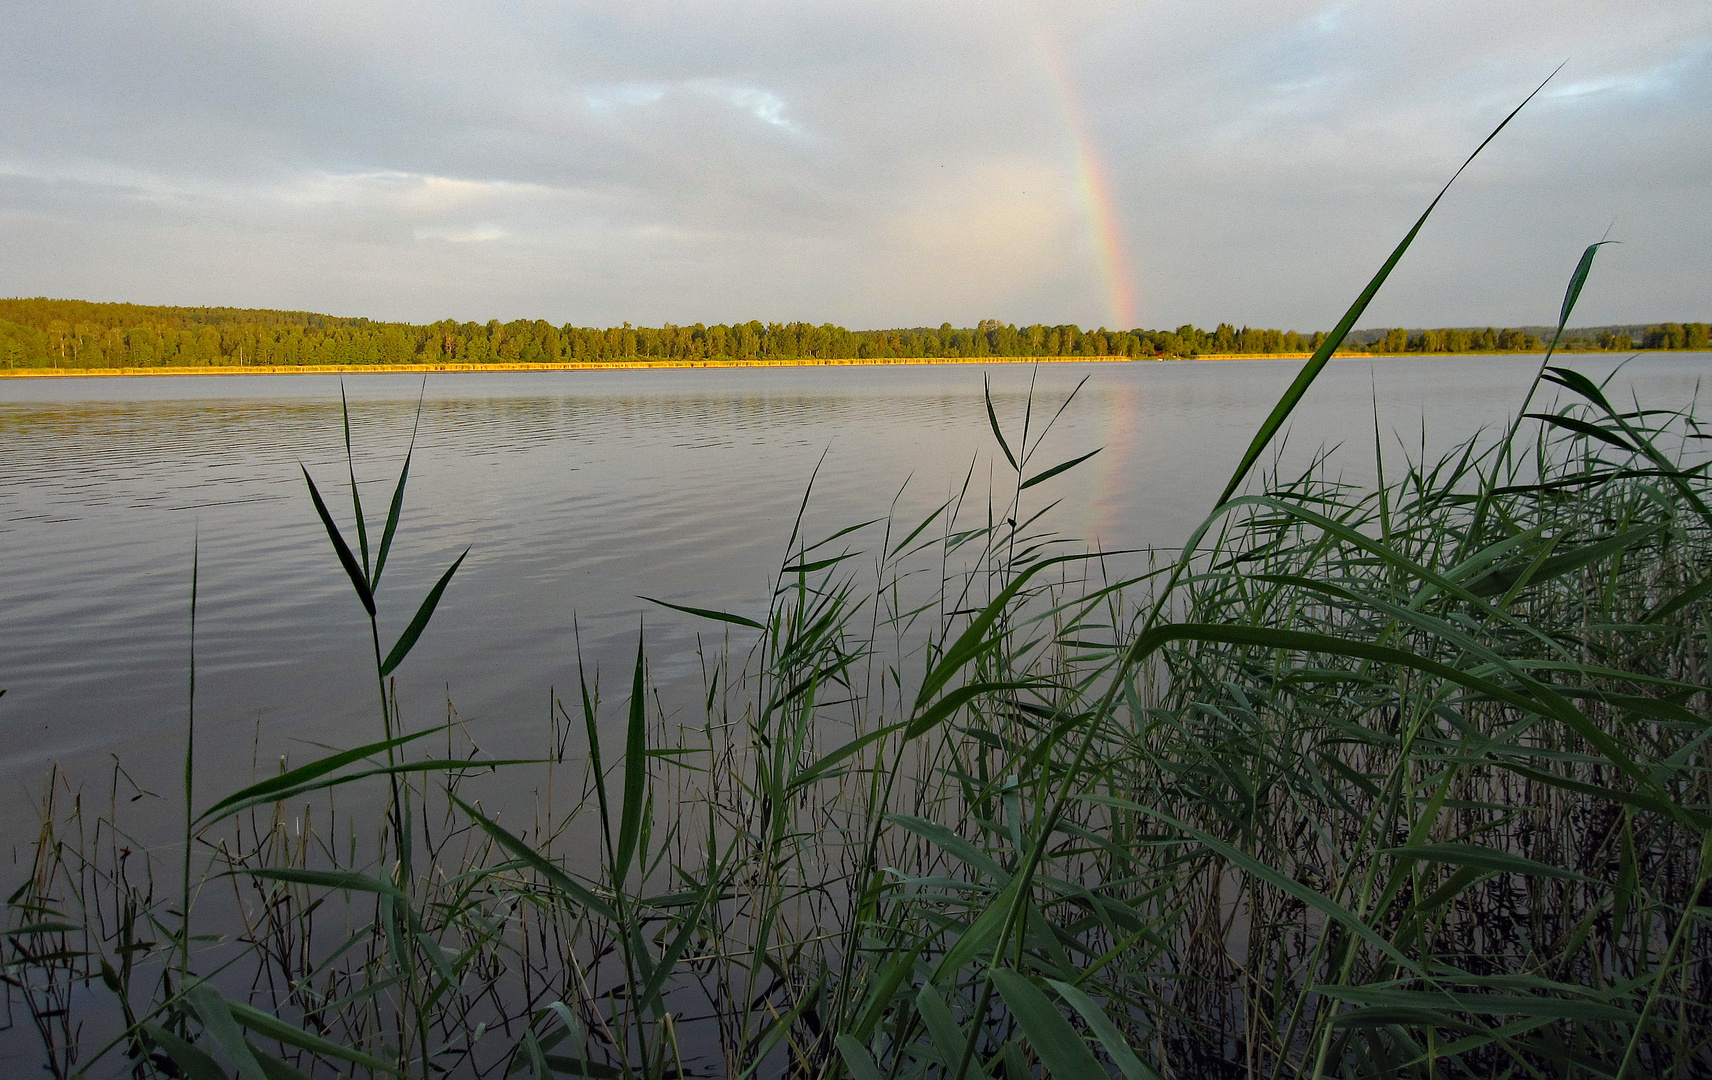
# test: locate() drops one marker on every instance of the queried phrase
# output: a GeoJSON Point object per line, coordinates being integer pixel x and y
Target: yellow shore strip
{"type": "Point", "coordinates": [1341, 354]}
{"type": "Point", "coordinates": [632, 365]}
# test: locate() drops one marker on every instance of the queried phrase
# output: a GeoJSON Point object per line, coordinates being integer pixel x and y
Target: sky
{"type": "Point", "coordinates": [871, 163]}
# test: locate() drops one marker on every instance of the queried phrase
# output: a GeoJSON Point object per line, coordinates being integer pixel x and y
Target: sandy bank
{"type": "Point", "coordinates": [631, 365]}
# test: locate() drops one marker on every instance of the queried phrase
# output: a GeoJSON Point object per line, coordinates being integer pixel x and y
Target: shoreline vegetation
{"type": "Point", "coordinates": [1403, 780]}
{"type": "Point", "coordinates": [78, 335]}
{"type": "Point", "coordinates": [620, 365]}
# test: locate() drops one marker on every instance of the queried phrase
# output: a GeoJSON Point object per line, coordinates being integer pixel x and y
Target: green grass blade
{"type": "Point", "coordinates": [1311, 370]}
{"type": "Point", "coordinates": [979, 935]}
{"type": "Point", "coordinates": [830, 761]}
{"type": "Point", "coordinates": [817, 564]}
{"type": "Point", "coordinates": [1582, 385]}
{"type": "Point", "coordinates": [529, 1052]}
{"type": "Point", "coordinates": [942, 1028]}
{"type": "Point", "coordinates": [1453, 887]}
{"type": "Point", "coordinates": [1482, 858]}
{"type": "Point", "coordinates": [881, 991]}
{"type": "Point", "coordinates": [528, 855]}
{"type": "Point", "coordinates": [993, 419]}
{"type": "Point", "coordinates": [1582, 427]}
{"type": "Point", "coordinates": [858, 1060]}
{"type": "Point", "coordinates": [1697, 591]}
{"type": "Point", "coordinates": [1304, 641]}
{"type": "Point", "coordinates": [949, 702]}
{"type": "Point", "coordinates": [1539, 699]}
{"type": "Point", "coordinates": [779, 1027]}
{"type": "Point", "coordinates": [396, 510]}
{"type": "Point", "coordinates": [305, 773]}
{"type": "Point", "coordinates": [1576, 281]}
{"type": "Point", "coordinates": [1054, 1041]}
{"type": "Point", "coordinates": [1116, 1046]}
{"type": "Point", "coordinates": [1502, 579]}
{"type": "Point", "coordinates": [596, 766]}
{"type": "Point", "coordinates": [446, 765]}
{"type": "Point", "coordinates": [43, 928]}
{"type": "Point", "coordinates": [1654, 804]}
{"type": "Point", "coordinates": [722, 616]}
{"type": "Point", "coordinates": [1042, 477]}
{"type": "Point", "coordinates": [1570, 295]}
{"type": "Point", "coordinates": [196, 1064]}
{"type": "Point", "coordinates": [689, 925]}
{"type": "Point", "coordinates": [407, 640]}
{"type": "Point", "coordinates": [271, 1027]}
{"type": "Point", "coordinates": [353, 569]}
{"type": "Point", "coordinates": [1312, 897]}
{"type": "Point", "coordinates": [1571, 379]}
{"type": "Point", "coordinates": [633, 807]}
{"type": "Point", "coordinates": [356, 496]}
{"type": "Point", "coordinates": [918, 530]}
{"type": "Point", "coordinates": [845, 531]}
{"type": "Point", "coordinates": [952, 844]}
{"type": "Point", "coordinates": [974, 641]}
{"type": "Point", "coordinates": [392, 516]}
{"type": "Point", "coordinates": [217, 1021]}
{"type": "Point", "coordinates": [340, 880]}
{"type": "Point", "coordinates": [275, 1068]}
{"type": "Point", "coordinates": [1481, 1004]}
{"type": "Point", "coordinates": [571, 1028]}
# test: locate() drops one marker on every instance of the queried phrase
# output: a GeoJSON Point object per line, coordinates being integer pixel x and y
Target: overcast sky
{"type": "Point", "coordinates": [864, 162]}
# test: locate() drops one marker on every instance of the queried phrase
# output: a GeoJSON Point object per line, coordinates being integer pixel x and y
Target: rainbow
{"type": "Point", "coordinates": [1095, 190]}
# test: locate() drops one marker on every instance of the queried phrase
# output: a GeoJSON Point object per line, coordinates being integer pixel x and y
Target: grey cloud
{"type": "Point", "coordinates": [863, 162]}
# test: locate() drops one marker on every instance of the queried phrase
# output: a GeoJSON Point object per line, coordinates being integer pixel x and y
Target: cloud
{"type": "Point", "coordinates": [763, 105]}
{"type": "Point", "coordinates": [1660, 79]}
{"type": "Point", "coordinates": [480, 234]}
{"type": "Point", "coordinates": [985, 236]}
{"type": "Point", "coordinates": [873, 162]}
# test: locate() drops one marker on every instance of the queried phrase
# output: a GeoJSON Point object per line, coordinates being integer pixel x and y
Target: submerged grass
{"type": "Point", "coordinates": [1402, 781]}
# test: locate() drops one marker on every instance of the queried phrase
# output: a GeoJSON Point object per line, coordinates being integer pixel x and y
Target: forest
{"type": "Point", "coordinates": [76, 334]}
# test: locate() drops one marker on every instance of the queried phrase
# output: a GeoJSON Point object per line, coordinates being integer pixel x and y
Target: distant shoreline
{"type": "Point", "coordinates": [628, 365]}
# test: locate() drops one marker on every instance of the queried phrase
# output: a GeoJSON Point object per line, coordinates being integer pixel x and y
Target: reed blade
{"type": "Point", "coordinates": [634, 804]}
{"type": "Point", "coordinates": [1111, 1038]}
{"type": "Point", "coordinates": [1052, 1038]}
{"type": "Point", "coordinates": [310, 771]}
{"type": "Point", "coordinates": [351, 467]}
{"type": "Point", "coordinates": [396, 510]}
{"type": "Point", "coordinates": [353, 569]}
{"type": "Point", "coordinates": [722, 616]}
{"type": "Point", "coordinates": [217, 1021]}
{"type": "Point", "coordinates": [1311, 370]}
{"type": "Point", "coordinates": [571, 888]}
{"type": "Point", "coordinates": [392, 517]}
{"type": "Point", "coordinates": [1047, 474]}
{"type": "Point", "coordinates": [419, 623]}
{"type": "Point", "coordinates": [196, 1064]}
{"type": "Point", "coordinates": [993, 420]}
{"type": "Point", "coordinates": [269, 1026]}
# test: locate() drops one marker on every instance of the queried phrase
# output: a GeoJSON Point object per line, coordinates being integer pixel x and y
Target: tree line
{"type": "Point", "coordinates": [1616, 339]}
{"type": "Point", "coordinates": [79, 334]}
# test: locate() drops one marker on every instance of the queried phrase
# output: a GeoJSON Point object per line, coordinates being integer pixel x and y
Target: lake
{"type": "Point", "coordinates": [576, 493]}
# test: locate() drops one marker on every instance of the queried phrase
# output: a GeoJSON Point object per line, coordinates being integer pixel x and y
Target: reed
{"type": "Point", "coordinates": [1410, 780]}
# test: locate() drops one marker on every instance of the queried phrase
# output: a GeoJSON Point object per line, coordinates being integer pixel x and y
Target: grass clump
{"type": "Point", "coordinates": [1402, 781]}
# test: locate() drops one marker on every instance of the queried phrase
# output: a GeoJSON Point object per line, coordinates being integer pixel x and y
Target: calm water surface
{"type": "Point", "coordinates": [575, 492]}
